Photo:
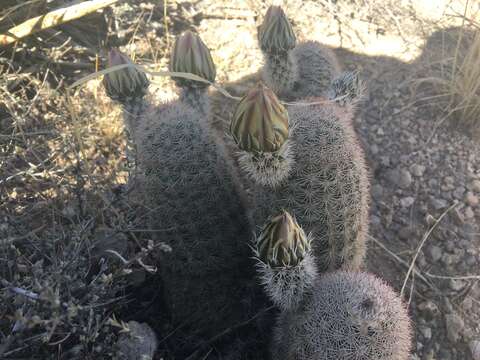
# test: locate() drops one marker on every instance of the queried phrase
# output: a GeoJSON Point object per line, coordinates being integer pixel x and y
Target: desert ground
{"type": "Point", "coordinates": [62, 163]}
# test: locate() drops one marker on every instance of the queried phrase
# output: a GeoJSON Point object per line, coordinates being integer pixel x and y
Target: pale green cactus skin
{"type": "Point", "coordinates": [292, 71]}
{"type": "Point", "coordinates": [346, 316]}
{"type": "Point", "coordinates": [327, 188]}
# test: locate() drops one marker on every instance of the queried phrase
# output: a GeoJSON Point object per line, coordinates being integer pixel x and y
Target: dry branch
{"type": "Point", "coordinates": [51, 19]}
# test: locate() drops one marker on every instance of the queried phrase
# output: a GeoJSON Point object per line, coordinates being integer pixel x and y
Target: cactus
{"type": "Point", "coordinates": [191, 55]}
{"type": "Point", "coordinates": [327, 186]}
{"type": "Point", "coordinates": [346, 316]}
{"type": "Point", "coordinates": [260, 129]}
{"type": "Point", "coordinates": [347, 89]}
{"type": "Point", "coordinates": [293, 71]}
{"type": "Point", "coordinates": [285, 263]}
{"type": "Point", "coordinates": [128, 86]}
{"type": "Point", "coordinates": [198, 210]}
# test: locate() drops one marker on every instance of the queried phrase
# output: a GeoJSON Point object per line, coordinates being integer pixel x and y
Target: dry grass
{"type": "Point", "coordinates": [453, 68]}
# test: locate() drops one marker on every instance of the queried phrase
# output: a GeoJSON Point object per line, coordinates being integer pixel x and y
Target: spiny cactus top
{"type": "Point", "coordinates": [260, 122]}
{"type": "Point", "coordinates": [347, 316]}
{"type": "Point", "coordinates": [285, 265]}
{"type": "Point", "coordinates": [125, 84]}
{"type": "Point", "coordinates": [347, 89]}
{"type": "Point", "coordinates": [282, 242]}
{"type": "Point", "coordinates": [275, 34]}
{"type": "Point", "coordinates": [294, 71]}
{"type": "Point", "coordinates": [191, 55]}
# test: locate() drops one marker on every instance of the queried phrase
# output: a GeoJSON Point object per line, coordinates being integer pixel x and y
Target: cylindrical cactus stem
{"type": "Point", "coordinates": [260, 129]}
{"type": "Point", "coordinates": [347, 316]}
{"type": "Point", "coordinates": [276, 39]}
{"type": "Point", "coordinates": [285, 263]}
{"type": "Point", "coordinates": [199, 212]}
{"type": "Point", "coordinates": [347, 90]}
{"type": "Point", "coordinates": [327, 187]}
{"type": "Point", "coordinates": [128, 86]}
{"type": "Point", "coordinates": [294, 71]}
{"type": "Point", "coordinates": [191, 55]}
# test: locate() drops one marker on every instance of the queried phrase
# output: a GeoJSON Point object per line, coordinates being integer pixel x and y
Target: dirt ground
{"type": "Point", "coordinates": [62, 156]}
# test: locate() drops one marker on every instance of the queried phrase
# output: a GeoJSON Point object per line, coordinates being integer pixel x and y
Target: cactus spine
{"type": "Point", "coordinates": [285, 263]}
{"type": "Point", "coordinates": [346, 316]}
{"type": "Point", "coordinates": [293, 71]}
{"type": "Point", "coordinates": [347, 90]}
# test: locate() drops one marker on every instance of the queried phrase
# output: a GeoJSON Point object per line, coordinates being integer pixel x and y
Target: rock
{"type": "Point", "coordinates": [458, 193]}
{"type": "Point", "coordinates": [475, 185]}
{"type": "Point", "coordinates": [417, 170]}
{"type": "Point", "coordinates": [474, 346]}
{"type": "Point", "coordinates": [377, 191]}
{"type": "Point", "coordinates": [380, 132]}
{"type": "Point", "coordinates": [404, 179]}
{"type": "Point", "coordinates": [458, 217]}
{"type": "Point", "coordinates": [140, 342]}
{"type": "Point", "coordinates": [471, 199]}
{"type": "Point", "coordinates": [374, 149]}
{"type": "Point", "coordinates": [434, 253]}
{"type": "Point", "coordinates": [438, 204]}
{"type": "Point", "coordinates": [468, 213]}
{"type": "Point", "coordinates": [426, 332]}
{"type": "Point", "coordinates": [454, 325]}
{"type": "Point", "coordinates": [429, 309]}
{"type": "Point", "coordinates": [456, 284]}
{"type": "Point", "coordinates": [407, 202]}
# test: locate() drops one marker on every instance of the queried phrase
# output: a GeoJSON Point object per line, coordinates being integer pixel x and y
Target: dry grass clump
{"type": "Point", "coordinates": [453, 59]}
{"type": "Point", "coordinates": [464, 85]}
{"type": "Point", "coordinates": [61, 163]}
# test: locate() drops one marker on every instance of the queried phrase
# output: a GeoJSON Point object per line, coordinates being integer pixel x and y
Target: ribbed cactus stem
{"type": "Point", "coordinates": [128, 86]}
{"type": "Point", "coordinates": [134, 111]}
{"type": "Point", "coordinates": [327, 187]}
{"type": "Point", "coordinates": [280, 72]}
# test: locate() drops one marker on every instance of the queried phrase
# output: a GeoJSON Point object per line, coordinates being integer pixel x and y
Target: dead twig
{"type": "Point", "coordinates": [51, 19]}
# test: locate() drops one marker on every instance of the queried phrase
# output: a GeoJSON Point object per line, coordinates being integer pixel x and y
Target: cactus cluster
{"type": "Point", "coordinates": [294, 171]}
{"type": "Point", "coordinates": [339, 315]}
{"type": "Point", "coordinates": [322, 179]}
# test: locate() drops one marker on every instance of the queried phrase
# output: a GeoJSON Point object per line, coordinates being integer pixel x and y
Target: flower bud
{"type": "Point", "coordinates": [260, 122]}
{"type": "Point", "coordinates": [276, 35]}
{"type": "Point", "coordinates": [124, 84]}
{"type": "Point", "coordinates": [282, 242]}
{"type": "Point", "coordinates": [191, 55]}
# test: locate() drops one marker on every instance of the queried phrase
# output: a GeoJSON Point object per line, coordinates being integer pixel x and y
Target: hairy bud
{"type": "Point", "coordinates": [260, 122]}
{"type": "Point", "coordinates": [283, 242]}
{"type": "Point", "coordinates": [276, 35]}
{"type": "Point", "coordinates": [191, 55]}
{"type": "Point", "coordinates": [127, 83]}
